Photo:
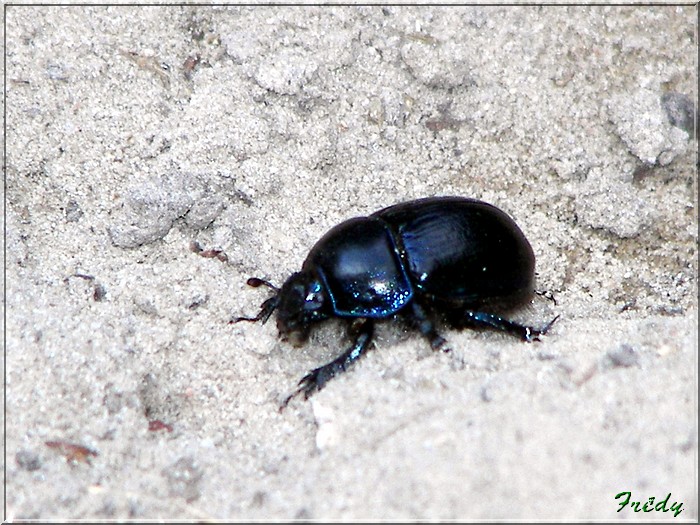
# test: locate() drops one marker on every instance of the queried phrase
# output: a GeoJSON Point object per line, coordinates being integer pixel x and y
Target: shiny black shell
{"type": "Point", "coordinates": [451, 252]}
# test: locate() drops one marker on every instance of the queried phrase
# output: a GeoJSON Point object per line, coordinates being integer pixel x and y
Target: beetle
{"type": "Point", "coordinates": [460, 258]}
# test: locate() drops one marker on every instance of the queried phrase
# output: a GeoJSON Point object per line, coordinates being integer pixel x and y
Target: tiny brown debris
{"type": "Point", "coordinates": [189, 65]}
{"type": "Point", "coordinates": [195, 247]}
{"type": "Point", "coordinates": [156, 424]}
{"type": "Point", "coordinates": [73, 452]}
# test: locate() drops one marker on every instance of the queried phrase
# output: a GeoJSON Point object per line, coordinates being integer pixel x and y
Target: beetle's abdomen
{"type": "Point", "coordinates": [462, 250]}
{"type": "Point", "coordinates": [360, 266]}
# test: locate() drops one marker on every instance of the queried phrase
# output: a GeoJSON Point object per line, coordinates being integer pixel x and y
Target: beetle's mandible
{"type": "Point", "coordinates": [462, 259]}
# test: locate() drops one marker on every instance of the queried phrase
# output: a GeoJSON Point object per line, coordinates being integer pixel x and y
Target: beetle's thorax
{"type": "Point", "coordinates": [302, 302]}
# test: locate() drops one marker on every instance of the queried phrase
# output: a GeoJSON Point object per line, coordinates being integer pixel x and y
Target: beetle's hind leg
{"type": "Point", "coordinates": [486, 320]}
{"type": "Point", "coordinates": [363, 330]}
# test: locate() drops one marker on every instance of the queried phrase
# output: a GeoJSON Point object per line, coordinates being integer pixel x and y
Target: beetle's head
{"type": "Point", "coordinates": [302, 301]}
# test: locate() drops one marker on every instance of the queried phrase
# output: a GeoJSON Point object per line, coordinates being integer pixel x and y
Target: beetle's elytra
{"type": "Point", "coordinates": [462, 259]}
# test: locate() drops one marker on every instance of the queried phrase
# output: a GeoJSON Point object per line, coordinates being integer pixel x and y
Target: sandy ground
{"type": "Point", "coordinates": [159, 156]}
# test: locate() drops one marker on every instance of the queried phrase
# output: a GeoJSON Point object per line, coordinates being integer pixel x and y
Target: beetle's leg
{"type": "Point", "coordinates": [266, 308]}
{"type": "Point", "coordinates": [526, 333]}
{"type": "Point", "coordinates": [546, 294]}
{"type": "Point", "coordinates": [264, 314]}
{"type": "Point", "coordinates": [419, 317]}
{"type": "Point", "coordinates": [363, 330]}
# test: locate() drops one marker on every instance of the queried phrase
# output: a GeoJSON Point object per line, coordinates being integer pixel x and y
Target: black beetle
{"type": "Point", "coordinates": [461, 258]}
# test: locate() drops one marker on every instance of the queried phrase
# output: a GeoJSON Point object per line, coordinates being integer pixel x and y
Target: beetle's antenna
{"type": "Point", "coordinates": [256, 281]}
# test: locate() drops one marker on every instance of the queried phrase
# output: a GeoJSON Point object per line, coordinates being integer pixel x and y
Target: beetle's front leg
{"type": "Point", "coordinates": [266, 308]}
{"type": "Point", "coordinates": [363, 330]}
